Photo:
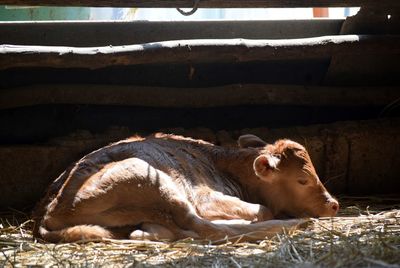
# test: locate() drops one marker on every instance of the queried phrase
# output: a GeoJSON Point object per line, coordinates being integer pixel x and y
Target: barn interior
{"type": "Point", "coordinates": [333, 85]}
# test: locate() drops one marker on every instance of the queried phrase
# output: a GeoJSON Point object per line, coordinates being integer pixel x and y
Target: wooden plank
{"type": "Point", "coordinates": [230, 95]}
{"type": "Point", "coordinates": [206, 3]}
{"type": "Point", "coordinates": [105, 33]}
{"type": "Point", "coordinates": [196, 51]}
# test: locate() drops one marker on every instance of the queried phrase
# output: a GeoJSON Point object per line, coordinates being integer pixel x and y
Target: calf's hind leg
{"type": "Point", "coordinates": [153, 231]}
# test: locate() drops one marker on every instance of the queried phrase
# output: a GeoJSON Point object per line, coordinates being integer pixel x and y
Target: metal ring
{"type": "Point", "coordinates": [191, 12]}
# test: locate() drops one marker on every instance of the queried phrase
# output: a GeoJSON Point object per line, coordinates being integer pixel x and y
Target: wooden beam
{"type": "Point", "coordinates": [230, 95]}
{"type": "Point", "coordinates": [105, 33]}
{"type": "Point", "coordinates": [206, 3]}
{"type": "Point", "coordinates": [196, 51]}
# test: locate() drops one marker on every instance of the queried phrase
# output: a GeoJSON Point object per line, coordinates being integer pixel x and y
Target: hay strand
{"type": "Point", "coordinates": [366, 233]}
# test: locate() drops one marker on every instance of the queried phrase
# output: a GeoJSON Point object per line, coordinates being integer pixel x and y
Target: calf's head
{"type": "Point", "coordinates": [289, 184]}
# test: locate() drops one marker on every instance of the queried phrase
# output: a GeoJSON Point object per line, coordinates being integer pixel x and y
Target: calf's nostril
{"type": "Point", "coordinates": [335, 206]}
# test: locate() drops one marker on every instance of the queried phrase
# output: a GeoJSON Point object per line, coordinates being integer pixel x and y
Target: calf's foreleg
{"type": "Point", "coordinates": [213, 205]}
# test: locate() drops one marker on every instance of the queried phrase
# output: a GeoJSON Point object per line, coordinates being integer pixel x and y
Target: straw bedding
{"type": "Point", "coordinates": [365, 234]}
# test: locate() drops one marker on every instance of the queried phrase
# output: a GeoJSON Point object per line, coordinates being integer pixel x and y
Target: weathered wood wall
{"type": "Point", "coordinates": [63, 96]}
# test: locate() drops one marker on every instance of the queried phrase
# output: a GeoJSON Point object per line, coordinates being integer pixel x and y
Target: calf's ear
{"type": "Point", "coordinates": [265, 164]}
{"type": "Point", "coordinates": [250, 140]}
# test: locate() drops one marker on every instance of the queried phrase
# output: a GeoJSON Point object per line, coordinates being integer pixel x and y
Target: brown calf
{"type": "Point", "coordinates": [171, 187]}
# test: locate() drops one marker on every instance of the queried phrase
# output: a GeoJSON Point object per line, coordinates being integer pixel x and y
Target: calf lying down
{"type": "Point", "coordinates": [171, 187]}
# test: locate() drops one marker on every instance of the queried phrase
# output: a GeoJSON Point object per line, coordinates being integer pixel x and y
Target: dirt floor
{"type": "Point", "coordinates": [365, 234]}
